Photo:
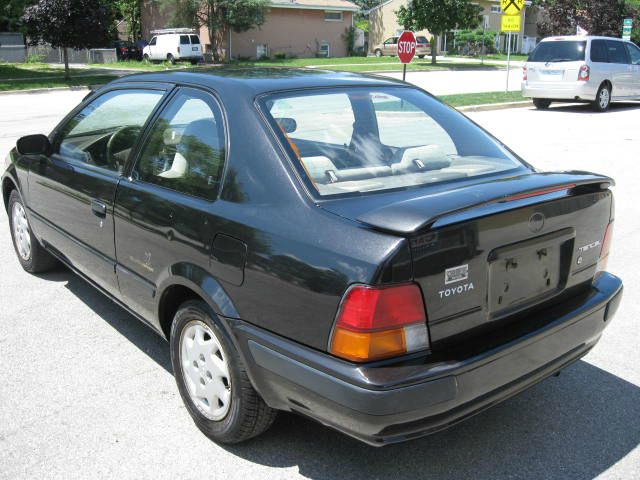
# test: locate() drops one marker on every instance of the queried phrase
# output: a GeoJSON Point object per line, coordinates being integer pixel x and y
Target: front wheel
{"type": "Point", "coordinates": [541, 103]}
{"type": "Point", "coordinates": [31, 255]}
{"type": "Point", "coordinates": [146, 59]}
{"type": "Point", "coordinates": [420, 56]}
{"type": "Point", "coordinates": [378, 53]}
{"type": "Point", "coordinates": [603, 99]}
{"type": "Point", "coordinates": [212, 378]}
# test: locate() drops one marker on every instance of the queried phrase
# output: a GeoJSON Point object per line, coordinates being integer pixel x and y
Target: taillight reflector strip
{"type": "Point", "coordinates": [536, 193]}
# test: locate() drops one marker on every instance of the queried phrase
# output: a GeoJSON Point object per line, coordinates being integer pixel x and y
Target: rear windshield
{"type": "Point", "coordinates": [195, 40]}
{"type": "Point", "coordinates": [357, 140]}
{"type": "Point", "coordinates": [422, 40]}
{"type": "Point", "coordinates": [559, 51]}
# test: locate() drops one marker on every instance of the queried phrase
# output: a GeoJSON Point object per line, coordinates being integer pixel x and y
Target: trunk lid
{"type": "Point", "coordinates": [486, 251]}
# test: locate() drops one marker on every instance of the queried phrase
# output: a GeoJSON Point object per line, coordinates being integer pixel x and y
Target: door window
{"type": "Point", "coordinates": [634, 53]}
{"type": "Point", "coordinates": [185, 151]}
{"type": "Point", "coordinates": [617, 52]}
{"type": "Point", "coordinates": [105, 131]}
{"type": "Point", "coordinates": [153, 41]}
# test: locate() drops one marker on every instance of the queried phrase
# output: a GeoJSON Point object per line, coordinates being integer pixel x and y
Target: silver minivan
{"type": "Point", "coordinates": [578, 68]}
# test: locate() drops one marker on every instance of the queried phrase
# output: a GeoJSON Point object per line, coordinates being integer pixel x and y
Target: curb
{"type": "Point", "coordinates": [48, 90]}
{"type": "Point", "coordinates": [495, 106]}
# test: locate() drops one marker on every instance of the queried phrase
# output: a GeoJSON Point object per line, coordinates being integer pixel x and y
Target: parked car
{"type": "Point", "coordinates": [366, 256]}
{"type": "Point", "coordinates": [599, 70]}
{"type": "Point", "coordinates": [390, 47]}
{"type": "Point", "coordinates": [174, 45]}
{"type": "Point", "coordinates": [126, 50]}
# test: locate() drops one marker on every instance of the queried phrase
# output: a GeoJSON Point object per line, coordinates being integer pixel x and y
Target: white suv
{"type": "Point", "coordinates": [573, 68]}
{"type": "Point", "coordinates": [174, 45]}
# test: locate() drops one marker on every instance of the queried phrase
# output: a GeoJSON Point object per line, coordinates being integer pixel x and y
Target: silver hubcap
{"type": "Point", "coordinates": [205, 370]}
{"type": "Point", "coordinates": [21, 235]}
{"type": "Point", "coordinates": [604, 98]}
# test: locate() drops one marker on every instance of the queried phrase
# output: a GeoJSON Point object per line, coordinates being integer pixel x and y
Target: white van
{"type": "Point", "coordinates": [599, 70]}
{"type": "Point", "coordinates": [173, 45]}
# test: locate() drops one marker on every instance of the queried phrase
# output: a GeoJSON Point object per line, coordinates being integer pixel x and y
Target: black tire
{"type": "Point", "coordinates": [378, 52]}
{"type": "Point", "coordinates": [38, 260]}
{"type": "Point", "coordinates": [420, 56]}
{"type": "Point", "coordinates": [603, 98]}
{"type": "Point", "coordinates": [195, 62]}
{"type": "Point", "coordinates": [248, 416]}
{"type": "Point", "coordinates": [171, 59]}
{"type": "Point", "coordinates": [541, 103]}
{"type": "Point", "coordinates": [146, 58]}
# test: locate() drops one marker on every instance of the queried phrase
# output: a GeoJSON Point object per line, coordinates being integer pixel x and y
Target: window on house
{"type": "Point", "coordinates": [330, 16]}
{"type": "Point", "coordinates": [325, 50]}
{"type": "Point", "coordinates": [495, 9]}
{"type": "Point", "coordinates": [261, 51]}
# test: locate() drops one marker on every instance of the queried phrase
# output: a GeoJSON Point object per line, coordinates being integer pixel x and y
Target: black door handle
{"type": "Point", "coordinates": [98, 208]}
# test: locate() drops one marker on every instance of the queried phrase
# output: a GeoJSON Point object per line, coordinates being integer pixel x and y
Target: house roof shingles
{"type": "Point", "coordinates": [316, 4]}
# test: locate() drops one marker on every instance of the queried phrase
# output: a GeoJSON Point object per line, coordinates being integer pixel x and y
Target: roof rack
{"type": "Point", "coordinates": [165, 31]}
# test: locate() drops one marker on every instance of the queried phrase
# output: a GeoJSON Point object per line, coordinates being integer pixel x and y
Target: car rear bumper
{"type": "Point", "coordinates": [388, 404]}
{"type": "Point", "coordinates": [560, 90]}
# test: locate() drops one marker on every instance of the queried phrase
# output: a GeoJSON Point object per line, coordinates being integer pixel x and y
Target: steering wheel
{"type": "Point", "coordinates": [119, 135]}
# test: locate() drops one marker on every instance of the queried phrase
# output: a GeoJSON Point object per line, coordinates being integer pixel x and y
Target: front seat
{"type": "Point", "coordinates": [199, 143]}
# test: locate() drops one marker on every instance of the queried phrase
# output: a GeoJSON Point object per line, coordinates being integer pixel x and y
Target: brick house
{"type": "Point", "coordinates": [301, 28]}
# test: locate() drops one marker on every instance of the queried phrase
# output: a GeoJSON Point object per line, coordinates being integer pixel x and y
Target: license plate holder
{"type": "Point", "coordinates": [194, 49]}
{"type": "Point", "coordinates": [527, 272]}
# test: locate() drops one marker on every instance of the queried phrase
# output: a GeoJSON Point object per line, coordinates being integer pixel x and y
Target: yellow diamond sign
{"type": "Point", "coordinates": [511, 7]}
{"type": "Point", "coordinates": [510, 23]}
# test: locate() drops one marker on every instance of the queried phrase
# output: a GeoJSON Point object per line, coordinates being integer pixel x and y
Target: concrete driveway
{"type": "Point", "coordinates": [87, 392]}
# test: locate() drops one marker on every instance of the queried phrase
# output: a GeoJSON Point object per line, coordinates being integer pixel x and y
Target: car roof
{"type": "Point", "coordinates": [261, 80]}
{"type": "Point", "coordinates": [580, 37]}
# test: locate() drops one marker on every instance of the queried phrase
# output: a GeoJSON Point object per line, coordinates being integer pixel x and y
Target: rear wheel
{"type": "Point", "coordinates": [212, 378]}
{"type": "Point", "coordinates": [171, 59]}
{"type": "Point", "coordinates": [32, 256]}
{"type": "Point", "coordinates": [195, 62]}
{"type": "Point", "coordinates": [603, 98]}
{"type": "Point", "coordinates": [420, 56]}
{"type": "Point", "coordinates": [378, 52]}
{"type": "Point", "coordinates": [541, 103]}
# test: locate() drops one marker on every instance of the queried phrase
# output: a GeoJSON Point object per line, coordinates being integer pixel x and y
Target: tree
{"type": "Point", "coordinates": [598, 17]}
{"type": "Point", "coordinates": [438, 17]}
{"type": "Point", "coordinates": [220, 16]}
{"type": "Point", "coordinates": [68, 24]}
{"type": "Point", "coordinates": [129, 11]}
{"type": "Point", "coordinates": [11, 12]}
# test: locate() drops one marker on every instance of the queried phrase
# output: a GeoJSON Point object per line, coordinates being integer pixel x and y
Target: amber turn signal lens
{"type": "Point", "coordinates": [361, 347]}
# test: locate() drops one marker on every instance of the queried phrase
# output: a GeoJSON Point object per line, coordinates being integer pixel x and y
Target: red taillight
{"type": "Point", "coordinates": [606, 245]}
{"type": "Point", "coordinates": [583, 74]}
{"type": "Point", "coordinates": [524, 73]}
{"type": "Point", "coordinates": [178, 49]}
{"type": "Point", "coordinates": [380, 322]}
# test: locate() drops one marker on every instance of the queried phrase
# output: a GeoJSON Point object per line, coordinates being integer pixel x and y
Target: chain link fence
{"type": "Point", "coordinates": [48, 54]}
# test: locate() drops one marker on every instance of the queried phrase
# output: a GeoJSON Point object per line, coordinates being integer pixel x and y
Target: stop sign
{"type": "Point", "coordinates": [406, 47]}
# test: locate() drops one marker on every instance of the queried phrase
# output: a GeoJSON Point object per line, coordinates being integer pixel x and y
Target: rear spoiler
{"type": "Point", "coordinates": [452, 206]}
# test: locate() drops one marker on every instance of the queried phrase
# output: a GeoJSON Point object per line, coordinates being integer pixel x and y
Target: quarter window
{"type": "Point", "coordinates": [105, 131]}
{"type": "Point", "coordinates": [599, 51]}
{"type": "Point", "coordinates": [186, 148]}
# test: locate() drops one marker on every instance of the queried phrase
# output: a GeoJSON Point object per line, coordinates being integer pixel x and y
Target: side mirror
{"type": "Point", "coordinates": [34, 145]}
{"type": "Point", "coordinates": [288, 125]}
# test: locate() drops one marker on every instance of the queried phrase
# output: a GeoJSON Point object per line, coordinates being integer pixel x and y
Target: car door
{"type": "Point", "coordinates": [391, 46]}
{"type": "Point", "coordinates": [621, 69]}
{"type": "Point", "coordinates": [73, 189]}
{"type": "Point", "coordinates": [634, 55]}
{"type": "Point", "coordinates": [163, 219]}
{"type": "Point", "coordinates": [153, 48]}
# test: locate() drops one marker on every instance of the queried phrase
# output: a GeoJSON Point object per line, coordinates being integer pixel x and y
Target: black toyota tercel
{"type": "Point", "coordinates": [341, 246]}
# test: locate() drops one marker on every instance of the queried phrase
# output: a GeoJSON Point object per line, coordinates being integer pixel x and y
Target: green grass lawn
{"type": "Point", "coordinates": [31, 83]}
{"type": "Point", "coordinates": [485, 98]}
{"type": "Point", "coordinates": [495, 56]}
{"type": "Point", "coordinates": [25, 76]}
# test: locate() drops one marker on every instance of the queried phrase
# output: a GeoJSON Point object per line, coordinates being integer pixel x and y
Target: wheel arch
{"type": "Point", "coordinates": [190, 282]}
{"type": "Point", "coordinates": [8, 185]}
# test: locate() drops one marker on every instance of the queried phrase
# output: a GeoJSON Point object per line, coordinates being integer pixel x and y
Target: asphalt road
{"type": "Point", "coordinates": [87, 392]}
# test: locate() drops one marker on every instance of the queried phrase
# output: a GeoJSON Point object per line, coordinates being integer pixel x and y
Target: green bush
{"type": "Point", "coordinates": [35, 58]}
{"type": "Point", "coordinates": [469, 42]}
{"type": "Point", "coordinates": [279, 56]}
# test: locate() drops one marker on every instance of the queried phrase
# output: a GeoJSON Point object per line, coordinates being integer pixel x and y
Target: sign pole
{"type": "Point", "coordinates": [508, 59]}
{"type": "Point", "coordinates": [404, 71]}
